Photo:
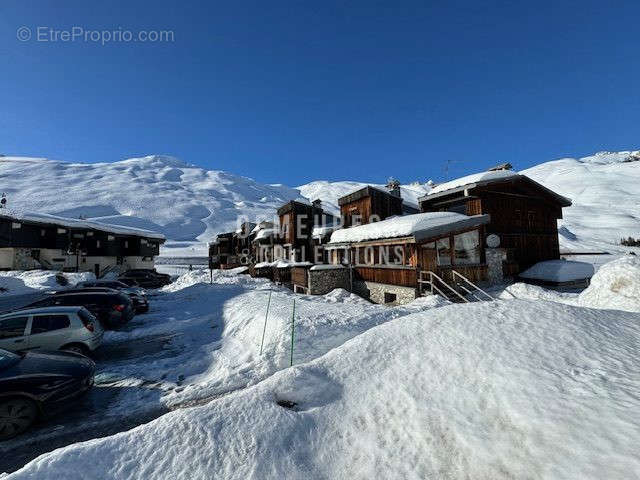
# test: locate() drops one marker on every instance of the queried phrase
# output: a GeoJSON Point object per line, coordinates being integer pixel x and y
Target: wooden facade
{"type": "Point", "coordinates": [367, 204]}
{"type": "Point", "coordinates": [399, 261]}
{"type": "Point", "coordinates": [523, 213]}
{"type": "Point", "coordinates": [296, 228]}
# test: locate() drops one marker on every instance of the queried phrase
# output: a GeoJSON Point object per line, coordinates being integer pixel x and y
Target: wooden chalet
{"type": "Point", "coordinates": [523, 213]}
{"type": "Point", "coordinates": [370, 204]}
{"type": "Point", "coordinates": [297, 221]}
{"type": "Point", "coordinates": [393, 260]}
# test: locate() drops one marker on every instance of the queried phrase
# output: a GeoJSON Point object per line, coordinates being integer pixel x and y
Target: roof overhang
{"type": "Point", "coordinates": [563, 201]}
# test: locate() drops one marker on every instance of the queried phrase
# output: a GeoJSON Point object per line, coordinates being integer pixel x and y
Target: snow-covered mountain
{"type": "Point", "coordinates": [605, 191]}
{"type": "Point", "coordinates": [190, 204]}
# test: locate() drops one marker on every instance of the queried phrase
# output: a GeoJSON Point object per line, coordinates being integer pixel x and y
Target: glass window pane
{"type": "Point", "coordinates": [444, 252]}
{"type": "Point", "coordinates": [13, 327]}
{"type": "Point", "coordinates": [467, 248]}
{"type": "Point", "coordinates": [48, 323]}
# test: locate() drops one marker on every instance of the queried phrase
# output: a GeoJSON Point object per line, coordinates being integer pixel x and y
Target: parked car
{"type": "Point", "coordinates": [34, 384]}
{"type": "Point", "coordinates": [50, 328]}
{"type": "Point", "coordinates": [146, 278]}
{"type": "Point", "coordinates": [115, 284]}
{"type": "Point", "coordinates": [140, 302]}
{"type": "Point", "coordinates": [112, 309]}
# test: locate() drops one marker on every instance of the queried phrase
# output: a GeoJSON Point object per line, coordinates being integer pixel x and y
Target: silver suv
{"type": "Point", "coordinates": [50, 328]}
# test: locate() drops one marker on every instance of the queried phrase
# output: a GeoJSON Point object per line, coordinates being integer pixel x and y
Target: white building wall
{"type": "Point", "coordinates": [6, 258]}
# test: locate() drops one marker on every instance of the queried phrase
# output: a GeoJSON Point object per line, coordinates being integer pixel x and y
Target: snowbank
{"type": "Point", "coordinates": [559, 271]}
{"type": "Point", "coordinates": [616, 285]}
{"type": "Point", "coordinates": [418, 225]}
{"type": "Point", "coordinates": [18, 282]}
{"type": "Point", "coordinates": [511, 389]}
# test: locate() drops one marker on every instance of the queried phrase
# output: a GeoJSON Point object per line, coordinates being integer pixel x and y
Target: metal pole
{"type": "Point", "coordinates": [293, 318]}
{"type": "Point", "coordinates": [265, 321]}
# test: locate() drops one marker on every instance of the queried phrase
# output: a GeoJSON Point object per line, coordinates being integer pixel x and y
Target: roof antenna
{"type": "Point", "coordinates": [3, 200]}
{"type": "Point", "coordinates": [445, 168]}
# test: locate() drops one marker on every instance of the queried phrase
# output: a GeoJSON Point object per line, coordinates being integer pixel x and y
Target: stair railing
{"type": "Point", "coordinates": [470, 283]}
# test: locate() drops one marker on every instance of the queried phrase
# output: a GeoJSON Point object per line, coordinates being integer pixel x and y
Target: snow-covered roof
{"type": "Point", "coordinates": [484, 178]}
{"type": "Point", "coordinates": [319, 231]}
{"type": "Point", "coordinates": [327, 266]}
{"type": "Point", "coordinates": [265, 233]}
{"type": "Point", "coordinates": [45, 219]}
{"type": "Point", "coordinates": [473, 179]}
{"type": "Point", "coordinates": [419, 226]}
{"type": "Point", "coordinates": [559, 271]}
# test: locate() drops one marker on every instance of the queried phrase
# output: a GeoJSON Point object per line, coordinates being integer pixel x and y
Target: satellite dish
{"type": "Point", "coordinates": [493, 241]}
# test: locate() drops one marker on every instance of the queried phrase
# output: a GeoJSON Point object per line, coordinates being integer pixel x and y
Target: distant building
{"type": "Point", "coordinates": [32, 241]}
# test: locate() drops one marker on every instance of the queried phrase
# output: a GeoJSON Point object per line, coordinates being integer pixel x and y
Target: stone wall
{"type": "Point", "coordinates": [495, 257]}
{"type": "Point", "coordinates": [375, 292]}
{"type": "Point", "coordinates": [324, 280]}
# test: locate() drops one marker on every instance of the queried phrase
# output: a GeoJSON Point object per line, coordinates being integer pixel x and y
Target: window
{"type": "Point", "coordinates": [389, 297]}
{"type": "Point", "coordinates": [13, 327]}
{"type": "Point", "coordinates": [466, 248]}
{"type": "Point", "coordinates": [531, 220]}
{"type": "Point", "coordinates": [443, 250]}
{"type": "Point", "coordinates": [48, 323]}
{"type": "Point", "coordinates": [459, 208]}
{"type": "Point", "coordinates": [61, 231]}
{"type": "Point", "coordinates": [16, 225]}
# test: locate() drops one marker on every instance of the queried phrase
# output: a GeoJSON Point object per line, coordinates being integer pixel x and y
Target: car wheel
{"type": "Point", "coordinates": [16, 416]}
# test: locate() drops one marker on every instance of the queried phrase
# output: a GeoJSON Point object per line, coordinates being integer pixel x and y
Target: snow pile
{"type": "Point", "coordinates": [18, 282]}
{"type": "Point", "coordinates": [559, 271]}
{"type": "Point", "coordinates": [511, 389]}
{"type": "Point", "coordinates": [418, 225]}
{"type": "Point", "coordinates": [616, 285]}
{"type": "Point", "coordinates": [472, 179]}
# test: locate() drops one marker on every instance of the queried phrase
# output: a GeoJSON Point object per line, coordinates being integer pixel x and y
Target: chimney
{"type": "Point", "coordinates": [393, 186]}
{"type": "Point", "coordinates": [317, 203]}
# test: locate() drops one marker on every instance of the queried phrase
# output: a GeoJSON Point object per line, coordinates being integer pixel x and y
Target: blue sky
{"type": "Point", "coordinates": [295, 91]}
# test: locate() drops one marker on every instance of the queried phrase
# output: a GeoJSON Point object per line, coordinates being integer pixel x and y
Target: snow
{"type": "Point", "coordinates": [74, 223]}
{"type": "Point", "coordinates": [191, 205]}
{"type": "Point", "coordinates": [265, 233]}
{"type": "Point", "coordinates": [327, 266]}
{"type": "Point", "coordinates": [471, 179]}
{"type": "Point", "coordinates": [330, 192]}
{"type": "Point", "coordinates": [319, 232]}
{"type": "Point", "coordinates": [418, 225]}
{"type": "Point", "coordinates": [21, 282]}
{"type": "Point", "coordinates": [559, 271]}
{"type": "Point", "coordinates": [604, 189]}
{"type": "Point", "coordinates": [616, 285]}
{"type": "Point", "coordinates": [506, 389]}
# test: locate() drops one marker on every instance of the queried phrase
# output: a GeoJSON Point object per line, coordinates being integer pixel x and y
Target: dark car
{"type": "Point", "coordinates": [140, 302]}
{"type": "Point", "coordinates": [33, 385]}
{"type": "Point", "coordinates": [113, 309]}
{"type": "Point", "coordinates": [146, 278]}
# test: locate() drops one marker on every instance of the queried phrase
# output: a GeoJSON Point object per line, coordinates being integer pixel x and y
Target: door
{"type": "Point", "coordinates": [427, 257]}
{"type": "Point", "coordinates": [49, 331]}
{"type": "Point", "coordinates": [96, 269]}
{"type": "Point", "coordinates": [13, 333]}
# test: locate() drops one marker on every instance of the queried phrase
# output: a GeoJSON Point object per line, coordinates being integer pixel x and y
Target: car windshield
{"type": "Point", "coordinates": [7, 358]}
